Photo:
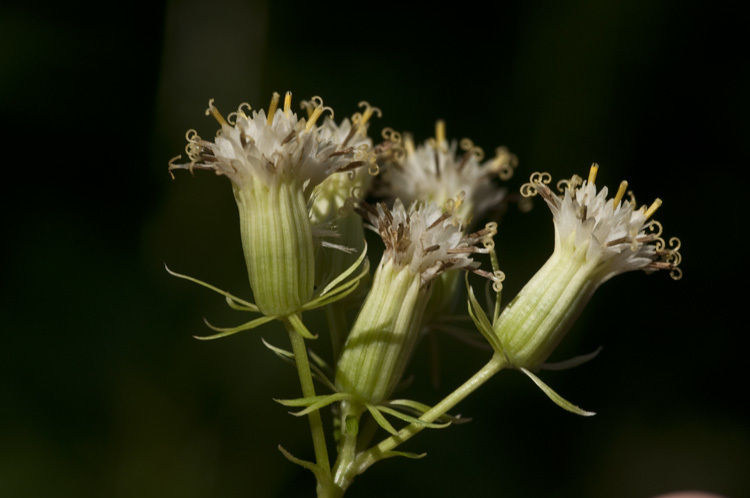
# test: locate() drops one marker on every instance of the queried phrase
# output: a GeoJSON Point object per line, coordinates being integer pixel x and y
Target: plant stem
{"type": "Point", "coordinates": [365, 459]}
{"type": "Point", "coordinates": [308, 390]}
{"type": "Point", "coordinates": [351, 411]}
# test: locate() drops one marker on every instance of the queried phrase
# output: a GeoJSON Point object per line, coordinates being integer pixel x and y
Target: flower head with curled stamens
{"type": "Point", "coordinates": [622, 237]}
{"type": "Point", "coordinates": [421, 243]}
{"type": "Point", "coordinates": [271, 147]}
{"type": "Point", "coordinates": [274, 162]}
{"type": "Point", "coordinates": [426, 238]}
{"type": "Point", "coordinates": [596, 238]}
{"type": "Point", "coordinates": [437, 171]}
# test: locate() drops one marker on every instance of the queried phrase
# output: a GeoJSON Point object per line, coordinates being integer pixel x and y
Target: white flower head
{"type": "Point", "coordinates": [427, 239]}
{"type": "Point", "coordinates": [273, 147]}
{"type": "Point", "coordinates": [622, 237]}
{"type": "Point", "coordinates": [436, 171]}
{"type": "Point", "coordinates": [274, 162]}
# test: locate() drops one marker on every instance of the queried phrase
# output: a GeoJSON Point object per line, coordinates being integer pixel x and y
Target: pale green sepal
{"type": "Point", "coordinates": [380, 419]}
{"type": "Point", "coordinates": [346, 273]}
{"type": "Point", "coordinates": [250, 306]}
{"type": "Point", "coordinates": [339, 292]}
{"type": "Point", "coordinates": [556, 398]}
{"type": "Point", "coordinates": [406, 454]}
{"type": "Point", "coordinates": [288, 357]}
{"type": "Point", "coordinates": [572, 362]}
{"type": "Point", "coordinates": [312, 403]}
{"type": "Point", "coordinates": [297, 324]}
{"type": "Point", "coordinates": [314, 468]}
{"type": "Point", "coordinates": [481, 321]}
{"type": "Point", "coordinates": [239, 307]}
{"type": "Point", "coordinates": [421, 408]}
{"type": "Point", "coordinates": [412, 420]}
{"type": "Point", "coordinates": [223, 332]}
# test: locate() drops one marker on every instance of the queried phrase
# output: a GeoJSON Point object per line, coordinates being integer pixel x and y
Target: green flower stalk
{"type": "Point", "coordinates": [596, 238]}
{"type": "Point", "coordinates": [421, 243]}
{"type": "Point", "coordinates": [274, 162]}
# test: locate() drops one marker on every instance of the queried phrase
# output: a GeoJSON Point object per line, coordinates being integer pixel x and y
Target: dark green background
{"type": "Point", "coordinates": [103, 391]}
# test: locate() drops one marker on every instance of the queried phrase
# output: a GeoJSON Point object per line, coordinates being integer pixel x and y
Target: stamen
{"type": "Point", "coordinates": [391, 135]}
{"type": "Point", "coordinates": [504, 163]}
{"type": "Point", "coordinates": [534, 186]}
{"type": "Point", "coordinates": [367, 114]}
{"type": "Point", "coordinates": [272, 107]}
{"type": "Point", "coordinates": [467, 145]}
{"type": "Point", "coordinates": [592, 173]}
{"type": "Point", "coordinates": [216, 114]}
{"type": "Point", "coordinates": [620, 194]}
{"type": "Point", "coordinates": [287, 103]}
{"type": "Point", "coordinates": [440, 131]}
{"type": "Point", "coordinates": [192, 136]}
{"type": "Point", "coordinates": [240, 112]}
{"type": "Point", "coordinates": [652, 209]}
{"type": "Point", "coordinates": [317, 111]}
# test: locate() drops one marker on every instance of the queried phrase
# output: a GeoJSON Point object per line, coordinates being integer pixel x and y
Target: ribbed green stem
{"type": "Point", "coordinates": [308, 390]}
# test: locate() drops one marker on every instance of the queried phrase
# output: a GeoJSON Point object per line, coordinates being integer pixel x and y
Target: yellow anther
{"type": "Point", "coordinates": [620, 194]}
{"type": "Point", "coordinates": [440, 131]}
{"type": "Point", "coordinates": [240, 110]}
{"type": "Point", "coordinates": [272, 107]}
{"type": "Point", "coordinates": [318, 109]}
{"type": "Point", "coordinates": [592, 173]}
{"type": "Point", "coordinates": [216, 114]}
{"type": "Point", "coordinates": [367, 114]}
{"type": "Point", "coordinates": [652, 209]}
{"type": "Point", "coordinates": [313, 117]}
{"type": "Point", "coordinates": [287, 103]}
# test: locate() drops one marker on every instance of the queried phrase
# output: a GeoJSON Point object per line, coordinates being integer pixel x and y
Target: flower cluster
{"type": "Point", "coordinates": [301, 189]}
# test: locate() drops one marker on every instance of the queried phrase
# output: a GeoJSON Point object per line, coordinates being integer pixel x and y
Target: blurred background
{"type": "Point", "coordinates": [103, 390]}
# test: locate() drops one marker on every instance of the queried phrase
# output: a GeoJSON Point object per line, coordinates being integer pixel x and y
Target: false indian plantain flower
{"type": "Point", "coordinates": [421, 243]}
{"type": "Point", "coordinates": [596, 238]}
{"type": "Point", "coordinates": [274, 162]}
{"type": "Point", "coordinates": [435, 171]}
